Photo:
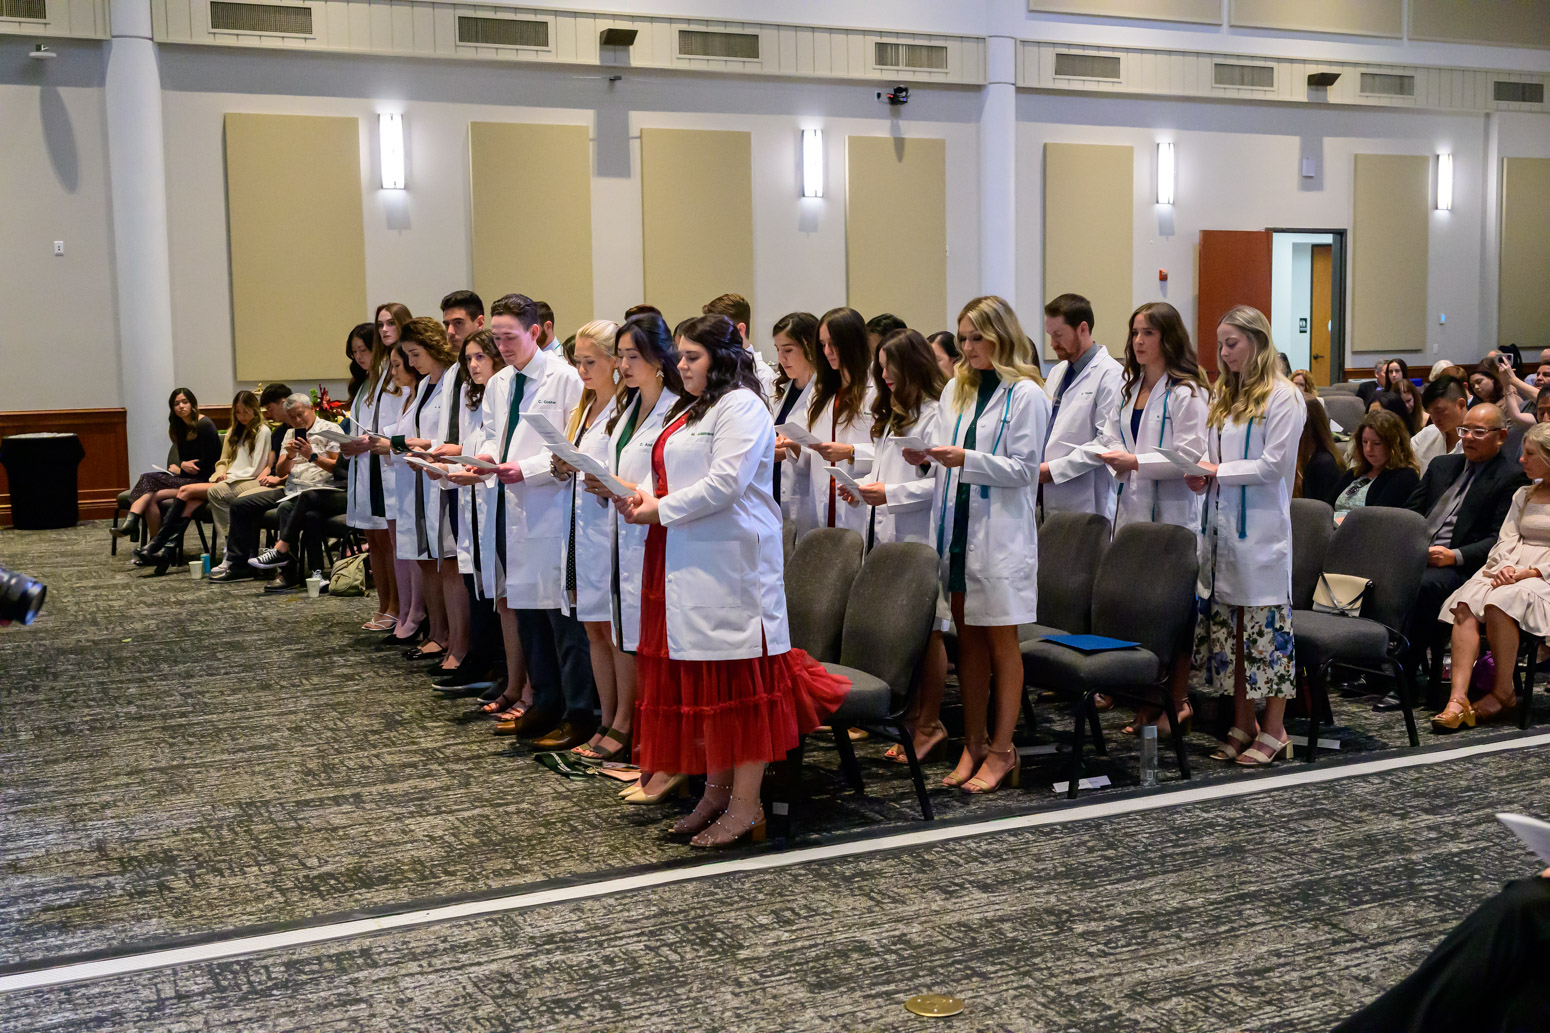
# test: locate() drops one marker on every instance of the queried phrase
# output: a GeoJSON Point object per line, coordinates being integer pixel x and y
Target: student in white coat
{"type": "Point", "coordinates": [648, 369]}
{"type": "Point", "coordinates": [736, 308]}
{"type": "Point", "coordinates": [372, 494]}
{"type": "Point", "coordinates": [993, 420]}
{"type": "Point", "coordinates": [529, 527]}
{"type": "Point", "coordinates": [721, 689]}
{"type": "Point", "coordinates": [898, 496]}
{"type": "Point", "coordinates": [796, 347]}
{"type": "Point", "coordinates": [1084, 389]}
{"type": "Point", "coordinates": [588, 547]}
{"type": "Point", "coordinates": [1243, 631]}
{"type": "Point", "coordinates": [839, 415]}
{"type": "Point", "coordinates": [1163, 405]}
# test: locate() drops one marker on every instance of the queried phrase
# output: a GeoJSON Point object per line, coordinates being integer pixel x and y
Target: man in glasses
{"type": "Point", "coordinates": [1464, 497]}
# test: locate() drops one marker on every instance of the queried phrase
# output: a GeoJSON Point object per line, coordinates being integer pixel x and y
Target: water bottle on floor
{"type": "Point", "coordinates": [1148, 756]}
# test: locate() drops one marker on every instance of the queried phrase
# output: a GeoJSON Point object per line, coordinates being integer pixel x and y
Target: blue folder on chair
{"type": "Point", "coordinates": [1090, 643]}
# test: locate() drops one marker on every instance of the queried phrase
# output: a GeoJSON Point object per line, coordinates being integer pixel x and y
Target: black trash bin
{"type": "Point", "coordinates": [42, 472]}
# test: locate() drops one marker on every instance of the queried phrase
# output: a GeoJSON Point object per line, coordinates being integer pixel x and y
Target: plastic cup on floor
{"type": "Point", "coordinates": [196, 569]}
{"type": "Point", "coordinates": [314, 586]}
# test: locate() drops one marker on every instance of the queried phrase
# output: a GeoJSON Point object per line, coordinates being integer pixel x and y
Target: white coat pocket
{"type": "Point", "coordinates": [1006, 559]}
{"type": "Point", "coordinates": [715, 591]}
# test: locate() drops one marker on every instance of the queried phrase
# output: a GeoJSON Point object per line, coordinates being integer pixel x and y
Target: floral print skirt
{"type": "Point", "coordinates": [1268, 666]}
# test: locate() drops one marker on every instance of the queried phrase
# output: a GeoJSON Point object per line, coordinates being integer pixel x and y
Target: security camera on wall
{"type": "Point", "coordinates": [898, 95]}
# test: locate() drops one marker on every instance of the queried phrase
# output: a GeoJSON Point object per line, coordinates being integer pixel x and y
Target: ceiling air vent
{"type": "Point", "coordinates": [744, 46]}
{"type": "Point", "coordinates": [1520, 92]}
{"type": "Point", "coordinates": [1086, 66]}
{"type": "Point", "coordinates": [1243, 77]}
{"type": "Point", "coordinates": [502, 32]}
{"type": "Point", "coordinates": [288, 19]}
{"type": "Point", "coordinates": [1381, 84]}
{"type": "Point", "coordinates": [27, 10]}
{"type": "Point", "coordinates": [910, 55]}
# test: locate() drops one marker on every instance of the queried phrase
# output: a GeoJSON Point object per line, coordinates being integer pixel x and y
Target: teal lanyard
{"type": "Point", "coordinates": [1162, 435]}
{"type": "Point", "coordinates": [1006, 417]}
{"type": "Point", "coordinates": [1243, 489]}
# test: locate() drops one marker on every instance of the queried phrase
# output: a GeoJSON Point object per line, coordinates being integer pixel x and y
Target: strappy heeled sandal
{"type": "Point", "coordinates": [1257, 757]}
{"type": "Point", "coordinates": [591, 754]}
{"type": "Point", "coordinates": [1504, 709]}
{"type": "Point", "coordinates": [1455, 714]}
{"type": "Point", "coordinates": [895, 753]}
{"type": "Point", "coordinates": [978, 786]}
{"type": "Point", "coordinates": [1237, 738]}
{"type": "Point", "coordinates": [951, 780]}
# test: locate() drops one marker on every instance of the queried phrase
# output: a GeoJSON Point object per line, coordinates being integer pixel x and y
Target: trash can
{"type": "Point", "coordinates": [41, 469]}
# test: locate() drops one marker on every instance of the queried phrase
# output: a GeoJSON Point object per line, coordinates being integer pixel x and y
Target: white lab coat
{"type": "Point", "coordinates": [1081, 482]}
{"type": "Point", "coordinates": [767, 377]}
{"type": "Point", "coordinates": [632, 464]}
{"type": "Point", "coordinates": [594, 532]}
{"type": "Point", "coordinates": [906, 516]}
{"type": "Point", "coordinates": [390, 409]}
{"type": "Point", "coordinates": [1002, 562]}
{"type": "Point", "coordinates": [1174, 418]}
{"type": "Point", "coordinates": [469, 424]}
{"type": "Point", "coordinates": [417, 493]}
{"type": "Point", "coordinates": [366, 414]}
{"type": "Point", "coordinates": [454, 524]}
{"type": "Point", "coordinates": [538, 506]}
{"type": "Point", "coordinates": [1246, 550]}
{"type": "Point", "coordinates": [859, 433]}
{"type": "Point", "coordinates": [796, 479]}
{"type": "Point", "coordinates": [726, 599]}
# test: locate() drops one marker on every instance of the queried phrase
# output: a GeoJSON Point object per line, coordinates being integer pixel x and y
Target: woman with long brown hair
{"type": "Point", "coordinates": [1319, 459]}
{"type": "Point", "coordinates": [839, 414]}
{"type": "Point", "coordinates": [1383, 470]}
{"type": "Point", "coordinates": [198, 446]}
{"type": "Point", "coordinates": [795, 338]}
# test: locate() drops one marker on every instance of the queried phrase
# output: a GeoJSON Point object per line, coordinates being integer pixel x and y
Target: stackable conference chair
{"type": "Point", "coordinates": [818, 579]}
{"type": "Point", "coordinates": [1387, 546]}
{"type": "Point", "coordinates": [1144, 593]}
{"type": "Point", "coordinates": [1346, 410]}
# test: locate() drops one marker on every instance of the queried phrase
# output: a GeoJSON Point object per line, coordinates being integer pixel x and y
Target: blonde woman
{"type": "Point", "coordinates": [1243, 634]}
{"type": "Point", "coordinates": [990, 433]}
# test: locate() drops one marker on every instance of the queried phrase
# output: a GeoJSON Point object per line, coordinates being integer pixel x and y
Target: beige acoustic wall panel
{"type": "Point", "coordinates": [298, 249]}
{"type": "Point", "coordinates": [1524, 313]}
{"type": "Point", "coordinates": [531, 191]}
{"type": "Point", "coordinates": [1207, 11]}
{"type": "Point", "coordinates": [1356, 17]}
{"type": "Point", "coordinates": [697, 218]}
{"type": "Point", "coordinates": [1089, 235]}
{"type": "Point", "coordinates": [1515, 23]}
{"type": "Point", "coordinates": [896, 228]}
{"type": "Point", "coordinates": [1389, 227]}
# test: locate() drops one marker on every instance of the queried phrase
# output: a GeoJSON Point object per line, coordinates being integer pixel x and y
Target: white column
{"type": "Point", "coordinates": [137, 177]}
{"type": "Point", "coordinates": [998, 171]}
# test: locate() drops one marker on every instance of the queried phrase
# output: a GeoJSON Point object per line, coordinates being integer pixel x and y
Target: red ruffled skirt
{"type": "Point", "coordinates": [694, 716]}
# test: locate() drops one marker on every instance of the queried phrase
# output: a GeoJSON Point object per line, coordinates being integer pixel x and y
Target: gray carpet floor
{"type": "Point", "coordinates": [181, 760]}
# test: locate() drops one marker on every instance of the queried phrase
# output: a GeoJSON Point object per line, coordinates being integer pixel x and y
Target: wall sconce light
{"type": "Point", "coordinates": [812, 163]}
{"type": "Point", "coordinates": [1444, 182]}
{"type": "Point", "coordinates": [1165, 173]}
{"type": "Point", "coordinates": [390, 136]}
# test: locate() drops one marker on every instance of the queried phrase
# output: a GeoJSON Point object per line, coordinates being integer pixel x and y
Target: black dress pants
{"type": "Point", "coordinates": [559, 664]}
{"type": "Point", "coordinates": [1437, 583]}
{"type": "Point", "coordinates": [242, 542]}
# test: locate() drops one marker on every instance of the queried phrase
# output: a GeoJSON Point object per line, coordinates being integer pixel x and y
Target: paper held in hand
{"type": "Point", "coordinates": [798, 433]}
{"type": "Point", "coordinates": [330, 432]}
{"type": "Point", "coordinates": [411, 460]}
{"type": "Point", "coordinates": [909, 441]}
{"type": "Point", "coordinates": [557, 443]}
{"type": "Point", "coordinates": [841, 477]}
{"type": "Point", "coordinates": [1534, 833]}
{"type": "Point", "coordinates": [1189, 466]}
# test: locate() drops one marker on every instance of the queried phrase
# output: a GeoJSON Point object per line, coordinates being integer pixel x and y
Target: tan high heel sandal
{"type": "Point", "coordinates": [978, 786]}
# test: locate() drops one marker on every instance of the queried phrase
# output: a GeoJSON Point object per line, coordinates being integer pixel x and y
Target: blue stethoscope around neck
{"type": "Point", "coordinates": [947, 487]}
{"type": "Point", "coordinates": [1162, 436]}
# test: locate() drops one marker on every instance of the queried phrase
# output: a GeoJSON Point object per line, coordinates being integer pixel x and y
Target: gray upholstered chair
{"type": "Point", "coordinates": [1313, 524]}
{"type": "Point", "coordinates": [818, 579]}
{"type": "Point", "coordinates": [1144, 593]}
{"type": "Point", "coordinates": [1344, 387]}
{"type": "Point", "coordinates": [788, 539]}
{"type": "Point", "coordinates": [1345, 410]}
{"type": "Point", "coordinates": [1387, 546]}
{"type": "Point", "coordinates": [1071, 545]}
{"type": "Point", "coordinates": [887, 623]}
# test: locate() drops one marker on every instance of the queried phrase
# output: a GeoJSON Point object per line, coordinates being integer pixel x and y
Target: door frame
{"type": "Point", "coordinates": [1337, 294]}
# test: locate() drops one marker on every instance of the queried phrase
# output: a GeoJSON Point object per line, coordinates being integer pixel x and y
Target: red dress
{"type": "Point", "coordinates": [694, 716]}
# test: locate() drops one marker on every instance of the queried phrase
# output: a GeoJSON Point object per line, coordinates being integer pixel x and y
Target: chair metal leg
{"type": "Point", "coordinates": [1318, 685]}
{"type": "Point", "coordinates": [1099, 746]}
{"type": "Point", "coordinates": [786, 791]}
{"type": "Point", "coordinates": [1435, 695]}
{"type": "Point", "coordinates": [847, 751]}
{"type": "Point", "coordinates": [113, 538]}
{"type": "Point", "coordinates": [1171, 709]}
{"type": "Point", "coordinates": [1526, 690]}
{"type": "Point", "coordinates": [907, 741]}
{"type": "Point", "coordinates": [1405, 686]}
{"type": "Point", "coordinates": [1029, 722]}
{"type": "Point", "coordinates": [204, 543]}
{"type": "Point", "coordinates": [1079, 726]}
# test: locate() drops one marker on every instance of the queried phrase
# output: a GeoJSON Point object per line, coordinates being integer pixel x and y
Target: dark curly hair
{"type": "Point", "coordinates": [731, 364]}
{"type": "Point", "coordinates": [649, 334]}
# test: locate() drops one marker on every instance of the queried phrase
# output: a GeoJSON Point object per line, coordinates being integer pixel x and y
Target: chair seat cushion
{"type": "Point", "coordinates": [1047, 665]}
{"type": "Point", "coordinates": [870, 699]}
{"type": "Point", "coordinates": [1028, 634]}
{"type": "Point", "coordinates": [1329, 636]}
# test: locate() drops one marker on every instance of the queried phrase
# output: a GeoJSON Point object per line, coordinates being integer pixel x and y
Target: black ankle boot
{"type": "Point", "coordinates": [130, 528]}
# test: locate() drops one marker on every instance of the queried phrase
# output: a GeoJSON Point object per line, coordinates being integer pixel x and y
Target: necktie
{"type": "Point", "coordinates": [513, 417]}
{"type": "Point", "coordinates": [1060, 392]}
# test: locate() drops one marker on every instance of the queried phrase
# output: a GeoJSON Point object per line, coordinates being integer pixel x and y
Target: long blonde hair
{"type": "Point", "coordinates": [605, 334]}
{"type": "Point", "coordinates": [1244, 396]}
{"type": "Point", "coordinates": [1011, 353]}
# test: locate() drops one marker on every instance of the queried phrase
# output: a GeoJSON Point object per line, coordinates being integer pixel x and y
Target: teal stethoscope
{"type": "Point", "coordinates": [1243, 489]}
{"type": "Point", "coordinates": [947, 488]}
{"type": "Point", "coordinates": [1162, 436]}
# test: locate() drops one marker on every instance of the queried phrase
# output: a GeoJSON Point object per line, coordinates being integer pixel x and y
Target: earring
{"type": "Point", "coordinates": [616, 376]}
{"type": "Point", "coordinates": [659, 372]}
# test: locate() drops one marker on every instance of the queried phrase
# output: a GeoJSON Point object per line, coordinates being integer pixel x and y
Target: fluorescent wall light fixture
{"type": "Point", "coordinates": [1444, 182]}
{"type": "Point", "coordinates": [1165, 173]}
{"type": "Point", "coordinates": [812, 163]}
{"type": "Point", "coordinates": [390, 136]}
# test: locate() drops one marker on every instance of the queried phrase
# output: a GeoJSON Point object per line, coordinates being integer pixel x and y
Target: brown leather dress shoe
{"type": "Point", "coordinates": [528, 725]}
{"type": "Point", "coordinates": [564, 737]}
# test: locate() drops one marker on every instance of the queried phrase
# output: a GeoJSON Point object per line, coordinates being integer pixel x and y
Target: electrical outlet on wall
{"type": "Point", "coordinates": [59, 247]}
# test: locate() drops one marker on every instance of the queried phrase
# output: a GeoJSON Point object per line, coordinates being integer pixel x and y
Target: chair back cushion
{"type": "Point", "coordinates": [818, 579]}
{"type": "Point", "coordinates": [1146, 588]}
{"type": "Point", "coordinates": [788, 539]}
{"type": "Point", "coordinates": [891, 610]}
{"type": "Point", "coordinates": [1313, 525]}
{"type": "Point", "coordinates": [1387, 546]}
{"type": "Point", "coordinates": [1070, 547]}
{"type": "Point", "coordinates": [1346, 410]}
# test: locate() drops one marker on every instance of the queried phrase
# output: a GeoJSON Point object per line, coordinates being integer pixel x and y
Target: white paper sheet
{"type": "Point", "coordinates": [1534, 833]}
{"type": "Point", "coordinates": [909, 441]}
{"type": "Point", "coordinates": [557, 443]}
{"type": "Point", "coordinates": [1187, 465]}
{"type": "Point", "coordinates": [477, 464]}
{"type": "Point", "coordinates": [847, 480]}
{"type": "Point", "coordinates": [331, 431]}
{"type": "Point", "coordinates": [798, 433]}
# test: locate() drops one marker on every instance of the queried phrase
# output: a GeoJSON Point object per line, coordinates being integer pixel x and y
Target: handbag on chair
{"type": "Point", "coordinates": [1340, 594]}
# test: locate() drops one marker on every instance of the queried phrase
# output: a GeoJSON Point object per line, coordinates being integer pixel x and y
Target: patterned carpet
{"type": "Point", "coordinates": [180, 760]}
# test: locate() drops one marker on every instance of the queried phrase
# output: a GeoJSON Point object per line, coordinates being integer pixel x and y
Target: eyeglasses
{"type": "Point", "coordinates": [1479, 432]}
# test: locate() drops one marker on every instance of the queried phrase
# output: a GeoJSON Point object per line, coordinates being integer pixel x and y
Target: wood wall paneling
{"type": "Point", "coordinates": [103, 473]}
{"type": "Point", "coordinates": [1524, 285]}
{"type": "Point", "coordinates": [896, 228]}
{"type": "Point", "coordinates": [1089, 234]}
{"type": "Point", "coordinates": [1390, 228]}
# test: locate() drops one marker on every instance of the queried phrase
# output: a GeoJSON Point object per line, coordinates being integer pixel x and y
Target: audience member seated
{"type": "Point", "coordinates": [243, 455]}
{"type": "Point", "coordinates": [307, 462]}
{"type": "Point", "coordinates": [1383, 469]}
{"type": "Point", "coordinates": [1302, 379]}
{"type": "Point", "coordinates": [1508, 595]}
{"type": "Point", "coordinates": [1319, 464]}
{"type": "Point", "coordinates": [1404, 401]}
{"type": "Point", "coordinates": [199, 446]}
{"type": "Point", "coordinates": [944, 345]}
{"type": "Point", "coordinates": [1445, 403]}
{"type": "Point", "coordinates": [1542, 403]}
{"type": "Point", "coordinates": [242, 538]}
{"type": "Point", "coordinates": [1389, 375]}
{"type": "Point", "coordinates": [1369, 390]}
{"type": "Point", "coordinates": [1464, 499]}
{"type": "Point", "coordinates": [1510, 392]}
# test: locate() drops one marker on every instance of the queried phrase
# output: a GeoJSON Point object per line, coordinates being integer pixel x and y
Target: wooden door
{"type": "Point", "coordinates": [1234, 270]}
{"type": "Point", "coordinates": [1321, 313]}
